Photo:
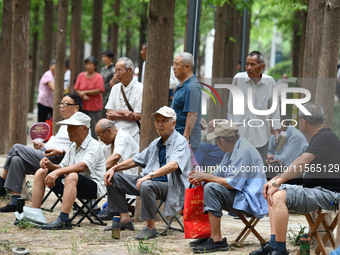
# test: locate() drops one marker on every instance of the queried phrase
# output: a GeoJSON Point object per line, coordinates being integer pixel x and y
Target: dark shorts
{"type": "Point", "coordinates": [86, 188]}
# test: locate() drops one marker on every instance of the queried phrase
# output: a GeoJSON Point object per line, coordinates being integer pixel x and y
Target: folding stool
{"type": "Point", "coordinates": [169, 222]}
{"type": "Point", "coordinates": [249, 227]}
{"type": "Point", "coordinates": [314, 224]}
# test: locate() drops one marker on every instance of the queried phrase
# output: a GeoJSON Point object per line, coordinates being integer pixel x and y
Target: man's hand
{"type": "Point", "coordinates": [108, 176]}
{"type": "Point", "coordinates": [45, 163]}
{"type": "Point", "coordinates": [129, 115]}
{"type": "Point", "coordinates": [38, 146]}
{"type": "Point", "coordinates": [139, 181]}
{"type": "Point", "coordinates": [270, 160]}
{"type": "Point", "coordinates": [53, 152]}
{"type": "Point", "coordinates": [85, 97]}
{"type": "Point", "coordinates": [50, 179]}
{"type": "Point", "coordinates": [196, 177]}
{"type": "Point", "coordinates": [268, 191]}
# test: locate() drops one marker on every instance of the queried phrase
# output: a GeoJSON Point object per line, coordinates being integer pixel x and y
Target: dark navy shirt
{"type": "Point", "coordinates": [162, 159]}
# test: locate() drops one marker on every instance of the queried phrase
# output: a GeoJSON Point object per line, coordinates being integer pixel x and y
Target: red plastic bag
{"type": "Point", "coordinates": [196, 223]}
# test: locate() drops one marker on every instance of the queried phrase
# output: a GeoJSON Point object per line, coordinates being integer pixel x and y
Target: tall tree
{"type": "Point", "coordinates": [60, 60]}
{"type": "Point", "coordinates": [48, 35]}
{"type": "Point", "coordinates": [19, 72]}
{"type": "Point", "coordinates": [115, 30]}
{"type": "Point", "coordinates": [328, 58]}
{"type": "Point", "coordinates": [76, 41]}
{"type": "Point", "coordinates": [226, 53]}
{"type": "Point", "coordinates": [299, 29]}
{"type": "Point", "coordinates": [142, 35]}
{"type": "Point", "coordinates": [34, 61]}
{"type": "Point", "coordinates": [97, 29]}
{"type": "Point", "coordinates": [157, 67]}
{"type": "Point", "coordinates": [5, 71]}
{"type": "Point", "coordinates": [320, 54]}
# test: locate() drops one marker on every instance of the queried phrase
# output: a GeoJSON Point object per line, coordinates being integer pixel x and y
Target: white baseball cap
{"type": "Point", "coordinates": [167, 112]}
{"type": "Point", "coordinates": [77, 119]}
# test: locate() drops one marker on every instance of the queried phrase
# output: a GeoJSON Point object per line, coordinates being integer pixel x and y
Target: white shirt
{"type": "Point", "coordinates": [134, 94]}
{"type": "Point", "coordinates": [91, 153]}
{"type": "Point", "coordinates": [60, 140]}
{"type": "Point", "coordinates": [262, 94]}
{"type": "Point", "coordinates": [126, 147]}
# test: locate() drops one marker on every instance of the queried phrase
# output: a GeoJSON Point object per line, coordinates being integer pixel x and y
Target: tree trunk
{"type": "Point", "coordinates": [19, 72]}
{"type": "Point", "coordinates": [115, 30]}
{"type": "Point", "coordinates": [128, 36]}
{"type": "Point", "coordinates": [299, 30]}
{"type": "Point", "coordinates": [157, 69]}
{"type": "Point", "coordinates": [313, 38]}
{"type": "Point", "coordinates": [60, 61]}
{"type": "Point", "coordinates": [75, 58]}
{"type": "Point", "coordinates": [97, 19]}
{"type": "Point", "coordinates": [142, 36]}
{"type": "Point", "coordinates": [34, 66]}
{"type": "Point", "coordinates": [328, 59]}
{"type": "Point", "coordinates": [219, 55]}
{"type": "Point", "coordinates": [5, 70]}
{"type": "Point", "coordinates": [48, 35]}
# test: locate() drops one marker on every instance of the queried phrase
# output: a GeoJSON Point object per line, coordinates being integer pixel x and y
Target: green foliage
{"type": "Point", "coordinates": [5, 245]}
{"type": "Point", "coordinates": [281, 68]}
{"type": "Point", "coordinates": [143, 247]}
{"type": "Point", "coordinates": [25, 224]}
{"type": "Point", "coordinates": [294, 238]}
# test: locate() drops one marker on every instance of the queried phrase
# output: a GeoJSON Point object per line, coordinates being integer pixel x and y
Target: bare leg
{"type": "Point", "coordinates": [215, 224]}
{"type": "Point", "coordinates": [70, 192]}
{"type": "Point", "coordinates": [4, 174]}
{"type": "Point", "coordinates": [124, 217]}
{"type": "Point", "coordinates": [150, 224]}
{"type": "Point", "coordinates": [271, 219]}
{"type": "Point", "coordinates": [280, 215]}
{"type": "Point", "coordinates": [38, 189]}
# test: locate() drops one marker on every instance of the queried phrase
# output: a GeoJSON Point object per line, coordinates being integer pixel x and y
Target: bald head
{"type": "Point", "coordinates": [106, 131]}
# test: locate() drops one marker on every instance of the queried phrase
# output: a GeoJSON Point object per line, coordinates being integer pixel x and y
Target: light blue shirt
{"type": "Point", "coordinates": [295, 145]}
{"type": "Point", "coordinates": [243, 170]}
{"type": "Point", "coordinates": [177, 150]}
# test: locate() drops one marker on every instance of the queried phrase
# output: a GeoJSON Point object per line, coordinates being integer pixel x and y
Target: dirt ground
{"type": "Point", "coordinates": [91, 239]}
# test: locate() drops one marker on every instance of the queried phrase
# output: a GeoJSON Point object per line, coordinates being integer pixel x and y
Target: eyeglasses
{"type": "Point", "coordinates": [121, 70]}
{"type": "Point", "coordinates": [101, 135]}
{"type": "Point", "coordinates": [63, 104]}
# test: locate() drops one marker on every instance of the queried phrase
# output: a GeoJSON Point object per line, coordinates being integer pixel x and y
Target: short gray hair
{"type": "Point", "coordinates": [128, 63]}
{"type": "Point", "coordinates": [187, 58]}
{"type": "Point", "coordinates": [259, 56]}
{"type": "Point", "coordinates": [318, 115]}
{"type": "Point", "coordinates": [107, 124]}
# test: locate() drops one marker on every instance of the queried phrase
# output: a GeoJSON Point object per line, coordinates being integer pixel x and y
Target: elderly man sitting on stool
{"type": "Point", "coordinates": [235, 186]}
{"type": "Point", "coordinates": [165, 163]}
{"type": "Point", "coordinates": [321, 184]}
{"type": "Point", "coordinates": [80, 173]}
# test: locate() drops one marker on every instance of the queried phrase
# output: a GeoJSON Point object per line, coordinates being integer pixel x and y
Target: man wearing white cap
{"type": "Point", "coordinates": [82, 169]}
{"type": "Point", "coordinates": [236, 185]}
{"type": "Point", "coordinates": [165, 163]}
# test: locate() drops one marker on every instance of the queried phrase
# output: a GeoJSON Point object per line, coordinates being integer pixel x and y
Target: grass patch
{"type": "Point", "coordinates": [293, 237]}
{"type": "Point", "coordinates": [144, 247]}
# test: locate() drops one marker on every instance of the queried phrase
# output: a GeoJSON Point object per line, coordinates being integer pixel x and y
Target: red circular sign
{"type": "Point", "coordinates": [39, 132]}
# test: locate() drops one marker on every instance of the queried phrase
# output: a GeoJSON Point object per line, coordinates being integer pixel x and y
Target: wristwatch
{"type": "Point", "coordinates": [275, 184]}
{"type": "Point", "coordinates": [151, 174]}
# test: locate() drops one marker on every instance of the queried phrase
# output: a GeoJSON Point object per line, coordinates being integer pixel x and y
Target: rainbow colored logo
{"type": "Point", "coordinates": [210, 94]}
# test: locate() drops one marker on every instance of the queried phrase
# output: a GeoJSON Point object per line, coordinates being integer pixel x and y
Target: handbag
{"type": "Point", "coordinates": [128, 104]}
{"type": "Point", "coordinates": [196, 223]}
